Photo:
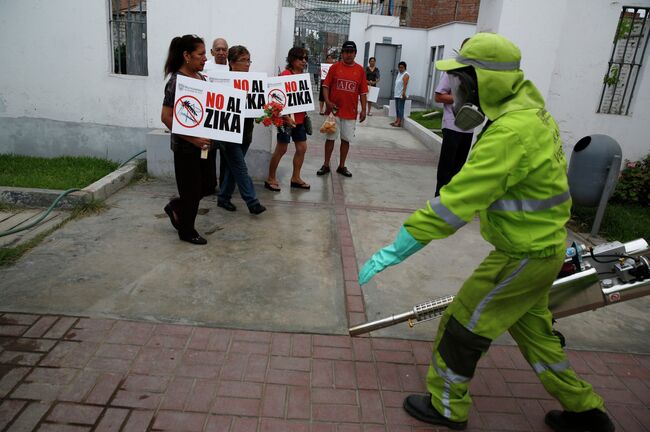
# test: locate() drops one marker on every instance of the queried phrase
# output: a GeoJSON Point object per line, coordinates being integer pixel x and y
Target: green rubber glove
{"type": "Point", "coordinates": [403, 247]}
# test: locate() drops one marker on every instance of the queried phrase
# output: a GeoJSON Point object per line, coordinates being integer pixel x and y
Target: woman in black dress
{"type": "Point", "coordinates": [195, 177]}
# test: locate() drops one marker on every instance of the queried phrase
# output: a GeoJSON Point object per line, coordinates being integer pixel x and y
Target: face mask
{"type": "Point", "coordinates": [464, 90]}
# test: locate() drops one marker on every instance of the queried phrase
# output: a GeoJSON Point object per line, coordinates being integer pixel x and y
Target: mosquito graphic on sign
{"type": "Point", "coordinates": [277, 95]}
{"type": "Point", "coordinates": [188, 111]}
{"type": "Point", "coordinates": [293, 92]}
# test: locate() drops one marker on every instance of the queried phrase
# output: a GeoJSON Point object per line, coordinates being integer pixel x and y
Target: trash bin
{"type": "Point", "coordinates": [589, 170]}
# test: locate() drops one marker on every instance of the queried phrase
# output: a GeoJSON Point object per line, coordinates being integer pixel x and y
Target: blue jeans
{"type": "Point", "coordinates": [399, 107]}
{"type": "Point", "coordinates": [236, 172]}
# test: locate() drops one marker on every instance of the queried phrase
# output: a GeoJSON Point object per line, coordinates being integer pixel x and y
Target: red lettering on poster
{"type": "Point", "coordinates": [290, 86]}
{"type": "Point", "coordinates": [241, 84]}
{"type": "Point", "coordinates": [214, 100]}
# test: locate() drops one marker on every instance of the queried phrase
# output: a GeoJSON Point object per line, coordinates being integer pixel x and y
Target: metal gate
{"type": "Point", "coordinates": [128, 25]}
{"type": "Point", "coordinates": [322, 26]}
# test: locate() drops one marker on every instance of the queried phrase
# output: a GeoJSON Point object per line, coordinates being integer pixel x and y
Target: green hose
{"type": "Point", "coordinates": [16, 229]}
{"type": "Point", "coordinates": [43, 216]}
{"type": "Point", "coordinates": [131, 158]}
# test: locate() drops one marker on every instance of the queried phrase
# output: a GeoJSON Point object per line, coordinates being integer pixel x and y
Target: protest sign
{"type": "Point", "coordinates": [293, 92]}
{"type": "Point", "coordinates": [324, 69]}
{"type": "Point", "coordinates": [208, 110]}
{"type": "Point", "coordinates": [373, 94]}
{"type": "Point", "coordinates": [253, 83]}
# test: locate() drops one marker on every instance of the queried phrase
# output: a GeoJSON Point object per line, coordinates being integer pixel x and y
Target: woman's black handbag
{"type": "Point", "coordinates": [308, 126]}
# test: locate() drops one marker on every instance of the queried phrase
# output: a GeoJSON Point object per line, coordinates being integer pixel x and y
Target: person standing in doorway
{"type": "Point", "coordinates": [401, 84]}
{"type": "Point", "coordinates": [344, 86]}
{"type": "Point", "coordinates": [372, 76]}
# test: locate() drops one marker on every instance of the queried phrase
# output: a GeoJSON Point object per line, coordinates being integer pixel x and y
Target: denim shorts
{"type": "Point", "coordinates": [298, 134]}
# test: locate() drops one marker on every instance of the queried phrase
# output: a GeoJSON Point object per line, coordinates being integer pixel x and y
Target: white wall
{"type": "Point", "coordinates": [285, 41]}
{"type": "Point", "coordinates": [384, 20]}
{"type": "Point", "coordinates": [59, 75]}
{"type": "Point", "coordinates": [523, 22]}
{"type": "Point", "coordinates": [360, 22]}
{"type": "Point", "coordinates": [568, 63]}
{"type": "Point", "coordinates": [358, 25]}
{"type": "Point", "coordinates": [413, 42]}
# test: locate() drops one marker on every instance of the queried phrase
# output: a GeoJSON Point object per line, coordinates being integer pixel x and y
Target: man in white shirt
{"type": "Point", "coordinates": [219, 53]}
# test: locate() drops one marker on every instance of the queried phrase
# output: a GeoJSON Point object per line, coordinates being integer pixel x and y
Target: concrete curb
{"type": "Point", "coordinates": [430, 140]}
{"type": "Point", "coordinates": [42, 198]}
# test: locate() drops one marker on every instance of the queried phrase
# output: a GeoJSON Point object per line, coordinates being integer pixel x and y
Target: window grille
{"type": "Point", "coordinates": [128, 30]}
{"type": "Point", "coordinates": [630, 43]}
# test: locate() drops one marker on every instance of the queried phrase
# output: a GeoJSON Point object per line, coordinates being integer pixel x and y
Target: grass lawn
{"type": "Point", "coordinates": [55, 173]}
{"type": "Point", "coordinates": [428, 122]}
{"type": "Point", "coordinates": [622, 222]}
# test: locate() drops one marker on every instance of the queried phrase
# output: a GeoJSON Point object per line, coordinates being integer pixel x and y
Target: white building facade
{"type": "Point", "coordinates": [59, 95]}
{"type": "Point", "coordinates": [58, 92]}
{"type": "Point", "coordinates": [566, 46]}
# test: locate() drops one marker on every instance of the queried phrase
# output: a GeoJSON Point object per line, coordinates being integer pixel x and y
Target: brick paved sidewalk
{"type": "Point", "coordinates": [75, 374]}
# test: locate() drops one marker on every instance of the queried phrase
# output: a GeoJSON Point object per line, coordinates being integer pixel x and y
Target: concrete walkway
{"type": "Point", "coordinates": [114, 324]}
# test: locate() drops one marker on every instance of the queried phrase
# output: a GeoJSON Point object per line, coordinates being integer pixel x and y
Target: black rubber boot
{"type": "Point", "coordinates": [593, 420]}
{"type": "Point", "coordinates": [419, 406]}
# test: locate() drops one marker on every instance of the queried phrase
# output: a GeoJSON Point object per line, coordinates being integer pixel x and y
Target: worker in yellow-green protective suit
{"type": "Point", "coordinates": [515, 179]}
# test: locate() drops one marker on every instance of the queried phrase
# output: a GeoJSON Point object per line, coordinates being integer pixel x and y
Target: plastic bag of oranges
{"type": "Point", "coordinates": [329, 125]}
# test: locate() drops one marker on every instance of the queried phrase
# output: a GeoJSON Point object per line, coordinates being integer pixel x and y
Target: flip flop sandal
{"type": "Point", "coordinates": [300, 185]}
{"type": "Point", "coordinates": [271, 187]}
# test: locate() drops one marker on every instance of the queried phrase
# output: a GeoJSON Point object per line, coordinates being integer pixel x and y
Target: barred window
{"type": "Point", "coordinates": [630, 43]}
{"type": "Point", "coordinates": [128, 30]}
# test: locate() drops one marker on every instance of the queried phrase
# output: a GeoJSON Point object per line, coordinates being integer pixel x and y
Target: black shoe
{"type": "Point", "coordinates": [172, 219]}
{"type": "Point", "coordinates": [226, 205]}
{"type": "Point", "coordinates": [593, 420]}
{"type": "Point", "coordinates": [257, 209]}
{"type": "Point", "coordinates": [344, 171]}
{"type": "Point", "coordinates": [323, 170]}
{"type": "Point", "coordinates": [193, 238]}
{"type": "Point", "coordinates": [419, 406]}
